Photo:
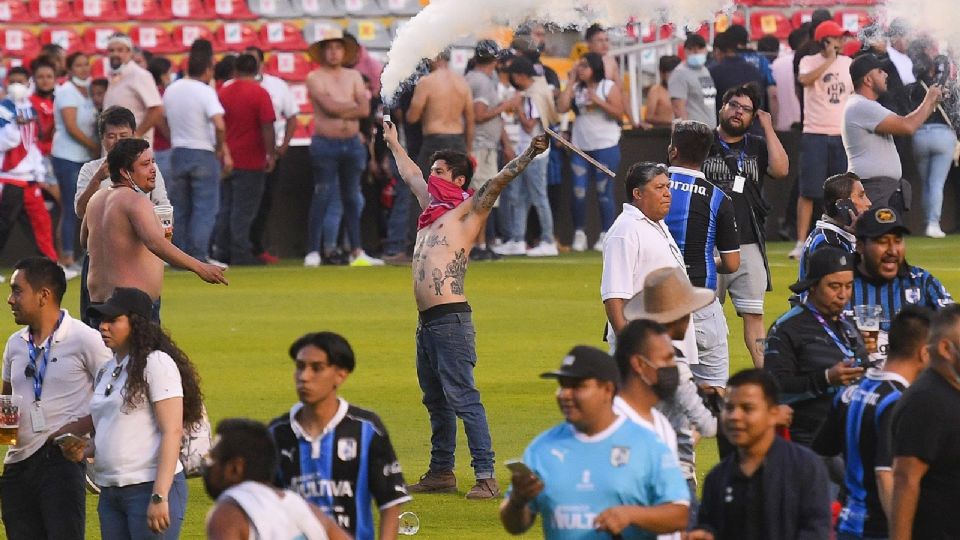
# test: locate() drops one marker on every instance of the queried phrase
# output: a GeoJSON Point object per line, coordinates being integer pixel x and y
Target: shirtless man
{"type": "Point", "coordinates": [123, 236]}
{"type": "Point", "coordinates": [339, 100]}
{"type": "Point", "coordinates": [446, 353]}
{"type": "Point", "coordinates": [443, 103]}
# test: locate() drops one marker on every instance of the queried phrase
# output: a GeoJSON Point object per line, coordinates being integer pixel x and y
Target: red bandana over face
{"type": "Point", "coordinates": [444, 196]}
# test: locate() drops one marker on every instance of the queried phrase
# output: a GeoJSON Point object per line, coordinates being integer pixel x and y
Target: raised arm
{"type": "Point", "coordinates": [409, 170]}
{"type": "Point", "coordinates": [484, 199]}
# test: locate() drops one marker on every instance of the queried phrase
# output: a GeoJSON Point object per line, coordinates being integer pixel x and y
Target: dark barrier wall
{"type": "Point", "coordinates": [286, 234]}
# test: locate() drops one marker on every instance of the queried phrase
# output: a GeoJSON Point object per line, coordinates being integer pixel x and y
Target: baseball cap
{"type": "Point", "coordinates": [862, 65]}
{"type": "Point", "coordinates": [879, 221]}
{"type": "Point", "coordinates": [124, 301]}
{"type": "Point", "coordinates": [583, 362]}
{"type": "Point", "coordinates": [486, 49]}
{"type": "Point", "coordinates": [823, 262]}
{"type": "Point", "coordinates": [828, 29]}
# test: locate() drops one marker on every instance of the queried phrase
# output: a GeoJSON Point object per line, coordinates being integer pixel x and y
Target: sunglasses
{"type": "Point", "coordinates": [113, 378]}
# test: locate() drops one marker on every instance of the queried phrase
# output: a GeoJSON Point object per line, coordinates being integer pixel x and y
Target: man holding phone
{"type": "Point", "coordinates": [844, 200]}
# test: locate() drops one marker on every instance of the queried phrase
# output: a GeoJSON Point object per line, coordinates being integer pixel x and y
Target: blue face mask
{"type": "Point", "coordinates": [697, 61]}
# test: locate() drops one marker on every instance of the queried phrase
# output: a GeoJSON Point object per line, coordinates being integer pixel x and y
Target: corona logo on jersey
{"type": "Point", "coordinates": [691, 188]}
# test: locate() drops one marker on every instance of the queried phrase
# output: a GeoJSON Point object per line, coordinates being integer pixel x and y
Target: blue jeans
{"type": "Point", "coordinates": [446, 356]}
{"type": "Point", "coordinates": [240, 195]}
{"type": "Point", "coordinates": [584, 172]}
{"type": "Point", "coordinates": [123, 511]}
{"type": "Point", "coordinates": [694, 504]}
{"type": "Point", "coordinates": [398, 224]}
{"type": "Point", "coordinates": [531, 190]}
{"type": "Point", "coordinates": [66, 172]}
{"type": "Point", "coordinates": [337, 167]}
{"type": "Point", "coordinates": [164, 160]}
{"type": "Point", "coordinates": [933, 146]}
{"type": "Point", "coordinates": [194, 192]}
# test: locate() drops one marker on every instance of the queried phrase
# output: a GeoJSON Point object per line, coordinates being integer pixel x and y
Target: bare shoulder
{"type": "Point", "coordinates": [227, 521]}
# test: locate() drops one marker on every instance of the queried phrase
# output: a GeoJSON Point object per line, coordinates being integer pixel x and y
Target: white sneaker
{"type": "Point", "coordinates": [218, 264]}
{"type": "Point", "coordinates": [513, 247]}
{"type": "Point", "coordinates": [365, 260]}
{"type": "Point", "coordinates": [579, 241]}
{"type": "Point", "coordinates": [796, 251]}
{"type": "Point", "coordinates": [934, 231]}
{"type": "Point", "coordinates": [545, 249]}
{"type": "Point", "coordinates": [599, 245]}
{"type": "Point", "coordinates": [312, 260]}
{"type": "Point", "coordinates": [68, 272]}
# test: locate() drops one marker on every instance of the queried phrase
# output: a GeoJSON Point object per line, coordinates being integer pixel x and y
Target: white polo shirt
{"type": "Point", "coordinates": [76, 354]}
{"type": "Point", "coordinates": [284, 103]}
{"type": "Point", "coordinates": [158, 195]}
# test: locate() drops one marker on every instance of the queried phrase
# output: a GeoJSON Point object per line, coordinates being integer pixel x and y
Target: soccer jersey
{"type": "Point", "coordinates": [340, 471]}
{"type": "Point", "coordinates": [584, 475]}
{"type": "Point", "coordinates": [701, 218]}
{"type": "Point", "coordinates": [859, 426]}
{"type": "Point", "coordinates": [825, 234]}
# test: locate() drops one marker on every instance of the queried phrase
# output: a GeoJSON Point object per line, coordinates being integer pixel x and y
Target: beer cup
{"type": "Point", "coordinates": [868, 322]}
{"type": "Point", "coordinates": [164, 213]}
{"type": "Point", "coordinates": [9, 418]}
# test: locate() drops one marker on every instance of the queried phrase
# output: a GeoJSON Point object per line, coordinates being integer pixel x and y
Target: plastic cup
{"type": "Point", "coordinates": [164, 213]}
{"type": "Point", "coordinates": [409, 524]}
{"type": "Point", "coordinates": [868, 322]}
{"type": "Point", "coordinates": [9, 419]}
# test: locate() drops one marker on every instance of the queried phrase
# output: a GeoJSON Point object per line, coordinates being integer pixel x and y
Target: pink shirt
{"type": "Point", "coordinates": [823, 102]}
{"type": "Point", "coordinates": [134, 88]}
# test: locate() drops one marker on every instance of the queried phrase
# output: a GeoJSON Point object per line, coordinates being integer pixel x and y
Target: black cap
{"type": "Point", "coordinates": [822, 262]}
{"type": "Point", "coordinates": [863, 64]}
{"type": "Point", "coordinates": [124, 301]}
{"type": "Point", "coordinates": [486, 49]}
{"type": "Point", "coordinates": [522, 65]}
{"type": "Point", "coordinates": [879, 221]}
{"type": "Point", "coordinates": [583, 362]}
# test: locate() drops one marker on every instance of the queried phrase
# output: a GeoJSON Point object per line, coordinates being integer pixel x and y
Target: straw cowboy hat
{"type": "Point", "coordinates": [326, 33]}
{"type": "Point", "coordinates": [667, 295]}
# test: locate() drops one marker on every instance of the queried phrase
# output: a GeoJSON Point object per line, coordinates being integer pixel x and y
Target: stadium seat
{"type": "Point", "coordinates": [289, 66]}
{"type": "Point", "coordinates": [650, 32]}
{"type": "Point", "coordinates": [64, 36]}
{"type": "Point", "coordinates": [55, 11]}
{"type": "Point", "coordinates": [861, 2]}
{"type": "Point", "coordinates": [143, 10]}
{"type": "Point", "coordinates": [362, 8]}
{"type": "Point", "coordinates": [16, 11]}
{"type": "Point", "coordinates": [319, 8]}
{"type": "Point", "coordinates": [772, 3]}
{"type": "Point", "coordinates": [231, 10]}
{"type": "Point", "coordinates": [801, 16]}
{"type": "Point", "coordinates": [459, 58]}
{"type": "Point", "coordinates": [820, 3]}
{"type": "Point", "coordinates": [401, 8]}
{"type": "Point", "coordinates": [314, 28]}
{"type": "Point", "coordinates": [724, 21]}
{"type": "Point", "coordinates": [276, 9]}
{"type": "Point", "coordinates": [19, 42]}
{"type": "Point", "coordinates": [184, 35]}
{"type": "Point", "coordinates": [852, 20]}
{"type": "Point", "coordinates": [235, 36]}
{"type": "Point", "coordinates": [299, 92]}
{"type": "Point", "coordinates": [282, 36]}
{"type": "Point", "coordinates": [371, 34]}
{"type": "Point", "coordinates": [95, 38]}
{"type": "Point", "coordinates": [153, 38]}
{"type": "Point", "coordinates": [100, 67]}
{"type": "Point", "coordinates": [304, 131]}
{"type": "Point", "coordinates": [98, 10]}
{"type": "Point", "coordinates": [185, 9]}
{"type": "Point", "coordinates": [763, 23]}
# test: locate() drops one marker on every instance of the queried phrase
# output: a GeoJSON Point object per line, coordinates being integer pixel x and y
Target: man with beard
{"type": "Point", "coordinates": [737, 163]}
{"type": "Point", "coordinates": [446, 351]}
{"type": "Point", "coordinates": [132, 87]}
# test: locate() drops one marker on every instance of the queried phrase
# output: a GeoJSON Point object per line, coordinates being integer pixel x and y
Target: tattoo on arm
{"type": "Point", "coordinates": [487, 196]}
{"type": "Point", "coordinates": [456, 272]}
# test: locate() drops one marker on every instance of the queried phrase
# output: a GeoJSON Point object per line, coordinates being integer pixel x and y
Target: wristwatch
{"type": "Point", "coordinates": [156, 498]}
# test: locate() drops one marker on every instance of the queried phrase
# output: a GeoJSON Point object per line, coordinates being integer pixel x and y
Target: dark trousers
{"type": "Point", "coordinates": [239, 200]}
{"type": "Point", "coordinates": [258, 228]}
{"type": "Point", "coordinates": [43, 497]}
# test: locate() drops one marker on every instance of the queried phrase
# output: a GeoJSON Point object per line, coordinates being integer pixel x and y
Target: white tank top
{"type": "Point", "coordinates": [593, 128]}
{"type": "Point", "coordinates": [275, 515]}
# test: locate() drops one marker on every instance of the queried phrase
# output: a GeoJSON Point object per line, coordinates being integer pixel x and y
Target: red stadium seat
{"type": "Point", "coordinates": [95, 38]}
{"type": "Point", "coordinates": [282, 36]}
{"type": "Point", "coordinates": [98, 10]}
{"type": "Point", "coordinates": [153, 38]}
{"type": "Point", "coordinates": [650, 32]}
{"type": "Point", "coordinates": [143, 10]}
{"type": "Point", "coordinates": [55, 11]}
{"type": "Point", "coordinates": [236, 36]}
{"type": "Point", "coordinates": [764, 23]}
{"type": "Point", "coordinates": [289, 66]}
{"type": "Point", "coordinates": [801, 16]}
{"type": "Point", "coordinates": [820, 3]}
{"type": "Point", "coordinates": [231, 10]}
{"type": "Point", "coordinates": [16, 11]}
{"type": "Point", "coordinates": [861, 2]}
{"type": "Point", "coordinates": [852, 20]}
{"type": "Point", "coordinates": [186, 9]}
{"type": "Point", "coordinates": [100, 67]}
{"type": "Point", "coordinates": [184, 35]}
{"type": "Point", "coordinates": [772, 3]}
{"type": "Point", "coordinates": [304, 131]}
{"type": "Point", "coordinates": [19, 42]}
{"type": "Point", "coordinates": [299, 92]}
{"type": "Point", "coordinates": [724, 21]}
{"type": "Point", "coordinates": [64, 36]}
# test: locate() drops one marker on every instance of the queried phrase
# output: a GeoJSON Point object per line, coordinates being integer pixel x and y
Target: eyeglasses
{"type": "Point", "coordinates": [746, 109]}
{"type": "Point", "coordinates": [113, 378]}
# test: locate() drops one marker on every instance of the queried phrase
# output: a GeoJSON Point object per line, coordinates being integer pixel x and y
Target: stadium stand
{"type": "Point", "coordinates": [289, 66]}
{"type": "Point", "coordinates": [144, 10]}
{"type": "Point", "coordinates": [184, 35]}
{"type": "Point", "coordinates": [371, 34]}
{"type": "Point", "coordinates": [282, 36]}
{"type": "Point", "coordinates": [64, 36]}
{"type": "Point", "coordinates": [153, 38]}
{"type": "Point", "coordinates": [235, 36]}
{"type": "Point", "coordinates": [16, 11]}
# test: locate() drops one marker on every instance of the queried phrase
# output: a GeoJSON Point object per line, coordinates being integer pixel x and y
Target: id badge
{"type": "Point", "coordinates": [37, 419]}
{"type": "Point", "coordinates": [738, 183]}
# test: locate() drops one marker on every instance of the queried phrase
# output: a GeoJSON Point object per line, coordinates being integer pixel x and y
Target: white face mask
{"type": "Point", "coordinates": [697, 60]}
{"type": "Point", "coordinates": [81, 83]}
{"type": "Point", "coordinates": [17, 92]}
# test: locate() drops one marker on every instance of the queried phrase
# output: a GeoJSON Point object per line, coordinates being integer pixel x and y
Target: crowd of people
{"type": "Point", "coordinates": [848, 402]}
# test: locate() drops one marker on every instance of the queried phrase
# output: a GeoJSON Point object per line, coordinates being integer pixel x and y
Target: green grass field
{"type": "Point", "coordinates": [528, 313]}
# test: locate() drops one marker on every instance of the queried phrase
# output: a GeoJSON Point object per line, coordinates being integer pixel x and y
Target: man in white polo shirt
{"type": "Point", "coordinates": [51, 365]}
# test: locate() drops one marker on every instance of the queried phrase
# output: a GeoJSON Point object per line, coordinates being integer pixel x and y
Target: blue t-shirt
{"type": "Point", "coordinates": [64, 145]}
{"type": "Point", "coordinates": [583, 476]}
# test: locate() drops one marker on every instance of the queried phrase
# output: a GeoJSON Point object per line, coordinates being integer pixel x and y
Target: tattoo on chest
{"type": "Point", "coordinates": [456, 272]}
{"type": "Point", "coordinates": [435, 241]}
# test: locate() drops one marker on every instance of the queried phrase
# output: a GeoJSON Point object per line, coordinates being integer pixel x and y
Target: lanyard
{"type": "Point", "coordinates": [39, 372]}
{"type": "Point", "coordinates": [673, 247]}
{"type": "Point", "coordinates": [741, 159]}
{"type": "Point", "coordinates": [847, 351]}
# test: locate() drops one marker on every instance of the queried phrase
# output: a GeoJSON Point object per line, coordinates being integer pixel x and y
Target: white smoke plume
{"type": "Point", "coordinates": [442, 22]}
{"type": "Point", "coordinates": [930, 17]}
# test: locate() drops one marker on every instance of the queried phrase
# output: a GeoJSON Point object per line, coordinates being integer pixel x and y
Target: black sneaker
{"type": "Point", "coordinates": [479, 254]}
{"type": "Point", "coordinates": [494, 256]}
{"type": "Point", "coordinates": [337, 258]}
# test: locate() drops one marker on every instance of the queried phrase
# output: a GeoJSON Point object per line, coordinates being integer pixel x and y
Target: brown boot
{"type": "Point", "coordinates": [435, 482]}
{"type": "Point", "coordinates": [485, 488]}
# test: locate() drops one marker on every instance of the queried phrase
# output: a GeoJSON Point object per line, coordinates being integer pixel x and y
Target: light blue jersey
{"type": "Point", "coordinates": [583, 476]}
